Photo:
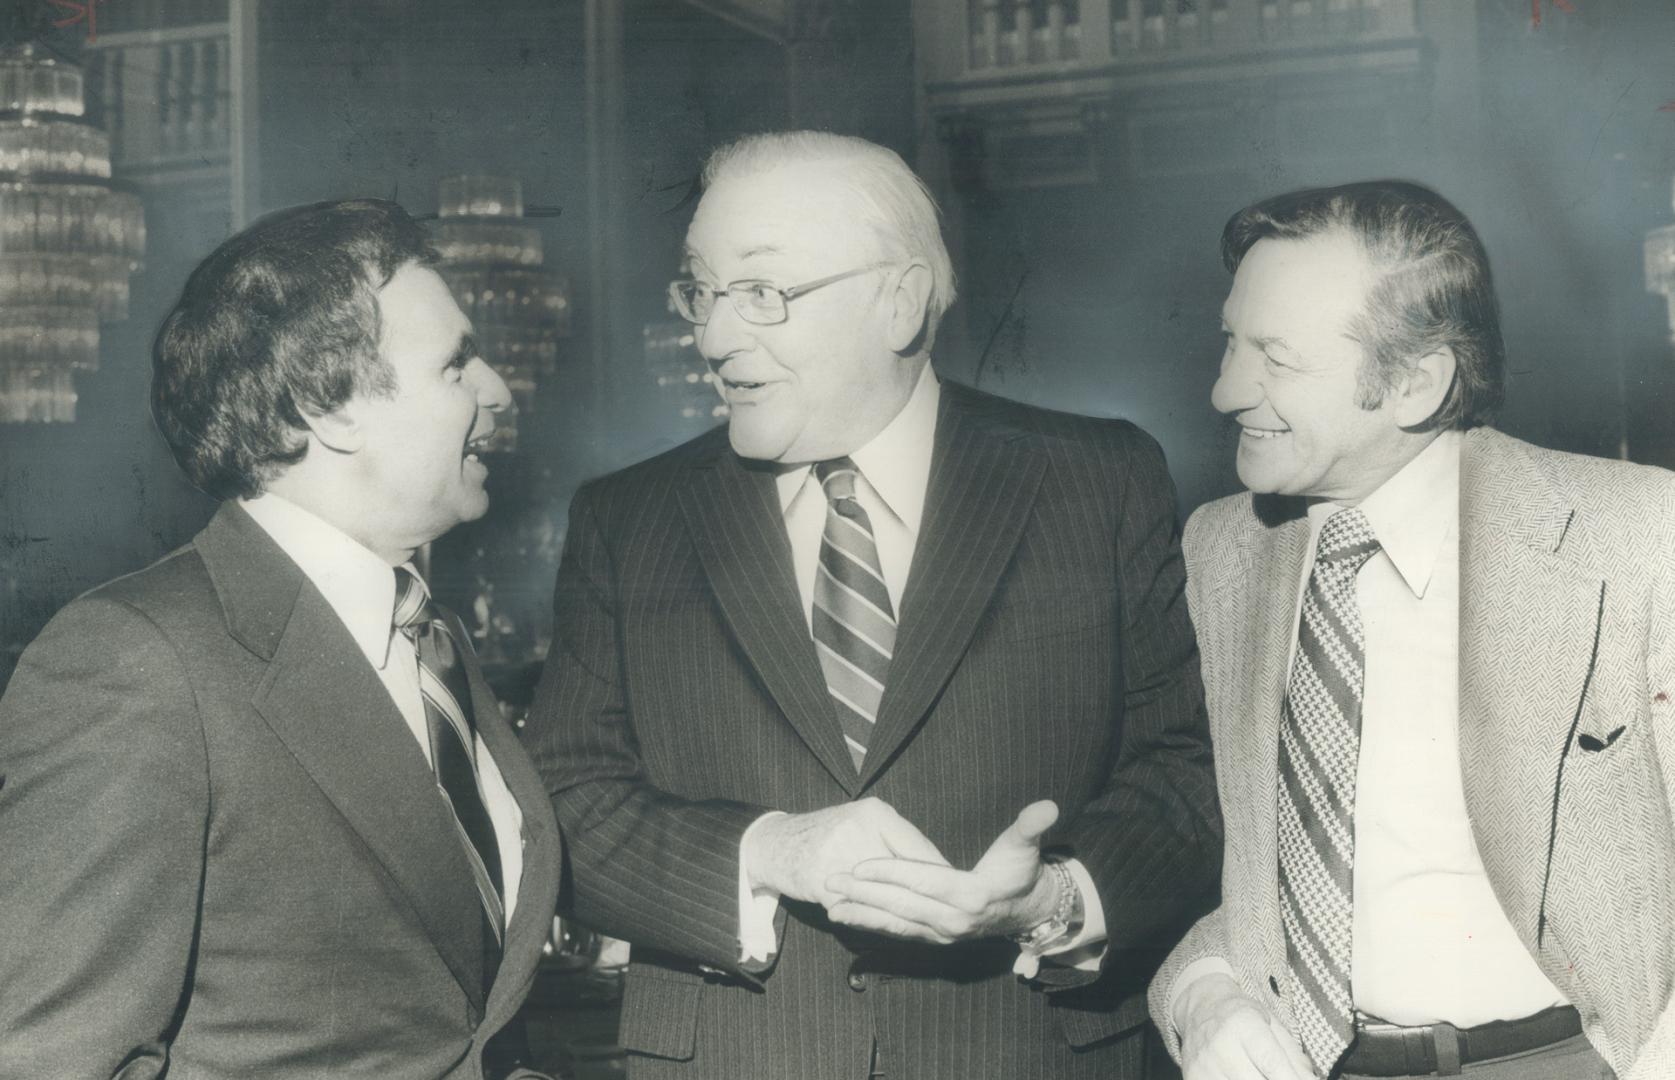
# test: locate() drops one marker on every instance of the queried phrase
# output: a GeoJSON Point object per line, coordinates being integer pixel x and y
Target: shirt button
{"type": "Point", "coordinates": [857, 981]}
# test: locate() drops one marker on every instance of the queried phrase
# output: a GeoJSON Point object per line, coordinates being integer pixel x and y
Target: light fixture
{"type": "Point", "coordinates": [494, 262]}
{"type": "Point", "coordinates": [67, 240]}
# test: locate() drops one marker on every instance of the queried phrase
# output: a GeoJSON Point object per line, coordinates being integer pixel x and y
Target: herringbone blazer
{"type": "Point", "coordinates": [1044, 652]}
{"type": "Point", "coordinates": [223, 854]}
{"type": "Point", "coordinates": [1567, 732]}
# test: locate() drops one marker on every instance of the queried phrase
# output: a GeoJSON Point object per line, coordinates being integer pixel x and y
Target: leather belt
{"type": "Point", "coordinates": [1440, 1049]}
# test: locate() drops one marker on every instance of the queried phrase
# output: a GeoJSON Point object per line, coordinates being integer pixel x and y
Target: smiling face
{"type": "Point", "coordinates": [1289, 376]}
{"type": "Point", "coordinates": [417, 471]}
{"type": "Point", "coordinates": [825, 381]}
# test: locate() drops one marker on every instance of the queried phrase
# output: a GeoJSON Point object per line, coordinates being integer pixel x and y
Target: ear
{"type": "Point", "coordinates": [1425, 387]}
{"type": "Point", "coordinates": [339, 430]}
{"type": "Point", "coordinates": [906, 306]}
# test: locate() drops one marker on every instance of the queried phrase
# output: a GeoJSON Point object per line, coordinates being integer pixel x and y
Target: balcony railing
{"type": "Point", "coordinates": [164, 96]}
{"type": "Point", "coordinates": [1016, 36]}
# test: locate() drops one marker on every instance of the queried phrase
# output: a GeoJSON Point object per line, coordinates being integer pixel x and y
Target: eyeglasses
{"type": "Point", "coordinates": [759, 302]}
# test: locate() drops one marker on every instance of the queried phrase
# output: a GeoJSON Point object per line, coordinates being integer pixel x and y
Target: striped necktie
{"type": "Point", "coordinates": [439, 642]}
{"type": "Point", "coordinates": [854, 623]}
{"type": "Point", "coordinates": [1320, 746]}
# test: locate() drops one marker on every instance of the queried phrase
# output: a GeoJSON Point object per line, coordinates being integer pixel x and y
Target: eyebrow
{"type": "Point", "coordinates": [465, 351]}
{"type": "Point", "coordinates": [688, 254]}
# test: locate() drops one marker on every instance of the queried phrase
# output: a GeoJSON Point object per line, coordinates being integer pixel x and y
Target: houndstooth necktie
{"type": "Point", "coordinates": [453, 744]}
{"type": "Point", "coordinates": [854, 623]}
{"type": "Point", "coordinates": [1320, 744]}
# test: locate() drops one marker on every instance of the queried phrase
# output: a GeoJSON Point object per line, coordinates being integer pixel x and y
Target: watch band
{"type": "Point", "coordinates": [1056, 927]}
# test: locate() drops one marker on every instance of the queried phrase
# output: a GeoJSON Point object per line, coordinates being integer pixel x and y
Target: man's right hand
{"type": "Point", "coordinates": [1227, 1035]}
{"type": "Point", "coordinates": [794, 854]}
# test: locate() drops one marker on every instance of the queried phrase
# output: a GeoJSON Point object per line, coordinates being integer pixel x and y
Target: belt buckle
{"type": "Point", "coordinates": [1428, 1048]}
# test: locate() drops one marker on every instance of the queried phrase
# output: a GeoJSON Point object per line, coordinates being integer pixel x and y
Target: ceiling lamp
{"type": "Point", "coordinates": [67, 241]}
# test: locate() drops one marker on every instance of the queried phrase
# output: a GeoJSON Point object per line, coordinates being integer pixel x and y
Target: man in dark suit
{"type": "Point", "coordinates": [885, 673]}
{"type": "Point", "coordinates": [260, 815]}
{"type": "Point", "coordinates": [1444, 734]}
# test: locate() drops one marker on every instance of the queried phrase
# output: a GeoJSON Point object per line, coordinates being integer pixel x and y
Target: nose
{"type": "Point", "coordinates": [1237, 387]}
{"type": "Point", "coordinates": [724, 334]}
{"type": "Point", "coordinates": [492, 392]}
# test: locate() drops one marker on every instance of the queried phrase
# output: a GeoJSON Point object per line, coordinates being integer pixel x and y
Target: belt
{"type": "Point", "coordinates": [1440, 1049]}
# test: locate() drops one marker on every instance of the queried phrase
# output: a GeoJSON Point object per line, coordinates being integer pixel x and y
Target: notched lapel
{"type": "Point", "coordinates": [1528, 622]}
{"type": "Point", "coordinates": [328, 707]}
{"type": "Point", "coordinates": [738, 529]}
{"type": "Point", "coordinates": [1262, 609]}
{"type": "Point", "coordinates": [983, 485]}
{"type": "Point", "coordinates": [531, 923]}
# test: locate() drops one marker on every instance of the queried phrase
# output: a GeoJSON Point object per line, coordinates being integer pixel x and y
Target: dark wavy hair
{"type": "Point", "coordinates": [1432, 286]}
{"type": "Point", "coordinates": [279, 321]}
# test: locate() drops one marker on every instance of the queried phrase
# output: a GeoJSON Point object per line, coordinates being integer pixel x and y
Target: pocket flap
{"type": "Point", "coordinates": [660, 1012]}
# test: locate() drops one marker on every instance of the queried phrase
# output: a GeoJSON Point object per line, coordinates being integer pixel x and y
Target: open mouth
{"type": "Point", "coordinates": [474, 449]}
{"type": "Point", "coordinates": [1262, 433]}
{"type": "Point", "coordinates": [741, 384]}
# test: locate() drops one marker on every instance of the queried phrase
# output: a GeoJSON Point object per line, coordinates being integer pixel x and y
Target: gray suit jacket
{"type": "Point", "coordinates": [224, 854]}
{"type": "Point", "coordinates": [1567, 728]}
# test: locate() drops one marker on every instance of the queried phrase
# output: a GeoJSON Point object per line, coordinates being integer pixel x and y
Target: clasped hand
{"type": "Point", "coordinates": [873, 869]}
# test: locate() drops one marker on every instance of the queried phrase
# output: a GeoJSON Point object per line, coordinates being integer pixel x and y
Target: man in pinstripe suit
{"type": "Point", "coordinates": [873, 719]}
{"type": "Point", "coordinates": [1438, 663]}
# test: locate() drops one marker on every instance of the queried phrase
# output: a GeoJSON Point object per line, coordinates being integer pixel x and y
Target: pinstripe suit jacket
{"type": "Point", "coordinates": [1044, 651]}
{"type": "Point", "coordinates": [222, 853]}
{"type": "Point", "coordinates": [1567, 730]}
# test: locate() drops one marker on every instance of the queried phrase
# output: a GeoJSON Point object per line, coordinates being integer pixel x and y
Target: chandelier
{"type": "Point", "coordinates": [1660, 267]}
{"type": "Point", "coordinates": [67, 241]}
{"type": "Point", "coordinates": [494, 262]}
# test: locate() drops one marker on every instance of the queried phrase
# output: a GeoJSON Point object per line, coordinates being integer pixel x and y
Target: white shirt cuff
{"type": "Point", "coordinates": [757, 907]}
{"type": "Point", "coordinates": [1204, 965]}
{"type": "Point", "coordinates": [1085, 950]}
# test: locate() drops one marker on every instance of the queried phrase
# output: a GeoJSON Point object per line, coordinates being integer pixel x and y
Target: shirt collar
{"type": "Point", "coordinates": [897, 462]}
{"type": "Point", "coordinates": [1414, 512]}
{"type": "Point", "coordinates": [359, 586]}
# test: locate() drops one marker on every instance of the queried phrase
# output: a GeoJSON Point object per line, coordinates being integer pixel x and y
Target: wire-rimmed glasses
{"type": "Point", "coordinates": [759, 302]}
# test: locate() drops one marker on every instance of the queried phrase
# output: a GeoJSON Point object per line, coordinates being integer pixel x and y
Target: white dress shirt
{"type": "Point", "coordinates": [1430, 942]}
{"type": "Point", "coordinates": [895, 471]}
{"type": "Point", "coordinates": [360, 587]}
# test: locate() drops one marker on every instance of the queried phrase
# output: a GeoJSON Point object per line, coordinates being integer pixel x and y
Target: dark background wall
{"type": "Point", "coordinates": [1098, 296]}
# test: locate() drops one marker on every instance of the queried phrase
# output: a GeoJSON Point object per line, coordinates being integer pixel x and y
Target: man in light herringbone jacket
{"type": "Point", "coordinates": [1439, 665]}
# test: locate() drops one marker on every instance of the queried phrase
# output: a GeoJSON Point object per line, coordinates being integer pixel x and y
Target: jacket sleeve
{"type": "Point", "coordinates": [1151, 840]}
{"type": "Point", "coordinates": [646, 866]}
{"type": "Point", "coordinates": [103, 819]}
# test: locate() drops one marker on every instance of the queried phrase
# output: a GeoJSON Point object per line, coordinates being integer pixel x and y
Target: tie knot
{"type": "Point", "coordinates": [1347, 537]}
{"type": "Point", "coordinates": [413, 610]}
{"type": "Point", "coordinates": [838, 477]}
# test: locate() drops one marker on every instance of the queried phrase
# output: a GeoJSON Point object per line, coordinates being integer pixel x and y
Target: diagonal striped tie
{"type": "Point", "coordinates": [854, 623]}
{"type": "Point", "coordinates": [1320, 745]}
{"type": "Point", "coordinates": [453, 745]}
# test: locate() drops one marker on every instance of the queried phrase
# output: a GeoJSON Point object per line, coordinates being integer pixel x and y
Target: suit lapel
{"type": "Point", "coordinates": [983, 484]}
{"type": "Point", "coordinates": [1528, 620]}
{"type": "Point", "coordinates": [531, 922]}
{"type": "Point", "coordinates": [1263, 630]}
{"type": "Point", "coordinates": [737, 526]}
{"type": "Point", "coordinates": [327, 705]}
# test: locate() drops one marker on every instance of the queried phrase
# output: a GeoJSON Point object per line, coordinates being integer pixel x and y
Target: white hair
{"type": "Point", "coordinates": [896, 204]}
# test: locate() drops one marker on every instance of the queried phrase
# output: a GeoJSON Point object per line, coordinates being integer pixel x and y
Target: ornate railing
{"type": "Point", "coordinates": [165, 97]}
{"type": "Point", "coordinates": [1015, 36]}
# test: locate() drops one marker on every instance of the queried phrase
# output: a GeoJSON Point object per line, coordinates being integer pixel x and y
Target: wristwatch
{"type": "Point", "coordinates": [1063, 923]}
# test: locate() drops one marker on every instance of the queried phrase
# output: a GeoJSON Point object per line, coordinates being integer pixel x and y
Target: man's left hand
{"type": "Point", "coordinates": [1005, 893]}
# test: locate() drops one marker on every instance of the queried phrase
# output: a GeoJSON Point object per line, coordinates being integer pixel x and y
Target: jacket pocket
{"type": "Point", "coordinates": [660, 1012]}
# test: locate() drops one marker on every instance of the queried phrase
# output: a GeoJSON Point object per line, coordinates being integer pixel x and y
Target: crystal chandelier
{"type": "Point", "coordinates": [493, 261]}
{"type": "Point", "coordinates": [1660, 267]}
{"type": "Point", "coordinates": [67, 241]}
